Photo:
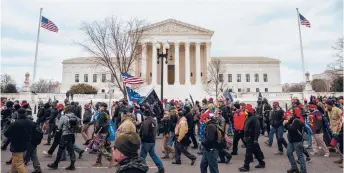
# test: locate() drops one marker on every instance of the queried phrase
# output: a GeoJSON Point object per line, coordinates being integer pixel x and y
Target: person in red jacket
{"type": "Point", "coordinates": [239, 118]}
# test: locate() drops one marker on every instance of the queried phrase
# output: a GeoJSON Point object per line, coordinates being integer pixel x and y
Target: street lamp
{"type": "Point", "coordinates": [162, 55]}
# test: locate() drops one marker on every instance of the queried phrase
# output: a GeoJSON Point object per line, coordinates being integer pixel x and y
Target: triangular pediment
{"type": "Point", "coordinates": [175, 27]}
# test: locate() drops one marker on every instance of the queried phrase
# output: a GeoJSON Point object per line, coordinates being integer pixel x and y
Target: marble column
{"type": "Point", "coordinates": [154, 65]}
{"type": "Point", "coordinates": [143, 61]}
{"type": "Point", "coordinates": [176, 63]}
{"type": "Point", "coordinates": [187, 63]}
{"type": "Point", "coordinates": [198, 64]}
{"type": "Point", "coordinates": [208, 52]}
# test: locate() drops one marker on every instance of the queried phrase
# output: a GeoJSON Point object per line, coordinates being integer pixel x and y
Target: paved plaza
{"type": "Point", "coordinates": [275, 164]}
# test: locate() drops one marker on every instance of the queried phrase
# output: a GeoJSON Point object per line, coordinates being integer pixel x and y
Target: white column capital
{"type": "Point", "coordinates": [208, 43]}
{"type": "Point", "coordinates": [187, 43]}
{"type": "Point", "coordinates": [176, 43]}
{"type": "Point", "coordinates": [198, 43]}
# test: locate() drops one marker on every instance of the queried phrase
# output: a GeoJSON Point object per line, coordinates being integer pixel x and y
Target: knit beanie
{"type": "Point", "coordinates": [128, 143]}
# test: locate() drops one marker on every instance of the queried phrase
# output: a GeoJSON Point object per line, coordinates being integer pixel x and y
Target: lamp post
{"type": "Point", "coordinates": [162, 55]}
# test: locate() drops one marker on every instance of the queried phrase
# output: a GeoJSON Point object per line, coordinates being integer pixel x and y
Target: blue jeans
{"type": "Point", "coordinates": [280, 139]}
{"type": "Point", "coordinates": [171, 141]}
{"type": "Point", "coordinates": [309, 133]}
{"type": "Point", "coordinates": [271, 135]}
{"type": "Point", "coordinates": [209, 158]}
{"type": "Point", "coordinates": [149, 148]}
{"type": "Point", "coordinates": [298, 147]}
{"type": "Point", "coordinates": [230, 129]}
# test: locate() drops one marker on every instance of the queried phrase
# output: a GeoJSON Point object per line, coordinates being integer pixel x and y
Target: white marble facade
{"type": "Point", "coordinates": [189, 54]}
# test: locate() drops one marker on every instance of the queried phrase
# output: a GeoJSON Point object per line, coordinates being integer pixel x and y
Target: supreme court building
{"type": "Point", "coordinates": [186, 69]}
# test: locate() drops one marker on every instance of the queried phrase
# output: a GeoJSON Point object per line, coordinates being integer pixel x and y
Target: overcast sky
{"type": "Point", "coordinates": [242, 28]}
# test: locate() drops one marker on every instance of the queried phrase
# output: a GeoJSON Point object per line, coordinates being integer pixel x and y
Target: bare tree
{"type": "Point", "coordinates": [319, 85]}
{"type": "Point", "coordinates": [215, 83]}
{"type": "Point", "coordinates": [336, 67]}
{"type": "Point", "coordinates": [45, 86]}
{"type": "Point", "coordinates": [114, 43]}
{"type": "Point", "coordinates": [5, 80]}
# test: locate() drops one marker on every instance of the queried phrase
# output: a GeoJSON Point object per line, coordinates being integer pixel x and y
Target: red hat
{"type": "Point", "coordinates": [275, 103]}
{"type": "Point", "coordinates": [210, 99]}
{"type": "Point", "coordinates": [203, 116]}
{"type": "Point", "coordinates": [87, 106]}
{"type": "Point", "coordinates": [313, 106]}
{"type": "Point", "coordinates": [249, 108]}
{"type": "Point", "coordinates": [59, 106]}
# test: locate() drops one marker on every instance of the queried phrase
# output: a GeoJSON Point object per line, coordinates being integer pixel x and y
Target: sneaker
{"type": "Point", "coordinates": [177, 163]}
{"type": "Point", "coordinates": [327, 155]}
{"type": "Point", "coordinates": [53, 166]}
{"type": "Point", "coordinates": [267, 143]}
{"type": "Point", "coordinates": [313, 153]}
{"type": "Point", "coordinates": [308, 159]}
{"type": "Point", "coordinates": [47, 154]}
{"type": "Point", "coordinates": [338, 161]}
{"type": "Point", "coordinates": [243, 169]}
{"type": "Point", "coordinates": [97, 164]}
{"type": "Point", "coordinates": [161, 170]}
{"type": "Point", "coordinates": [279, 153]}
{"type": "Point", "coordinates": [80, 154]}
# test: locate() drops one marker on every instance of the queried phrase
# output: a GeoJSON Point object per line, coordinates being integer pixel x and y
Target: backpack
{"type": "Point", "coordinates": [164, 126]}
{"type": "Point", "coordinates": [73, 124]}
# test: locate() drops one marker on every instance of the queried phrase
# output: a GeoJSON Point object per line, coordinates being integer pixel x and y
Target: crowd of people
{"type": "Point", "coordinates": [125, 133]}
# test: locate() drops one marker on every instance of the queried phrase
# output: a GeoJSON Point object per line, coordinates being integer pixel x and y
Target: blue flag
{"type": "Point", "coordinates": [260, 97]}
{"type": "Point", "coordinates": [133, 95]}
{"type": "Point", "coordinates": [228, 95]}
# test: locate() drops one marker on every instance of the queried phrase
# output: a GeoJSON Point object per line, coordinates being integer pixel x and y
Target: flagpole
{"type": "Point", "coordinates": [301, 47]}
{"type": "Point", "coordinates": [36, 53]}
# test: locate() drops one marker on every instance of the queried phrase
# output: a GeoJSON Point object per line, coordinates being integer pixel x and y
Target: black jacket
{"type": "Point", "coordinates": [20, 133]}
{"type": "Point", "coordinates": [252, 127]}
{"type": "Point", "coordinates": [40, 114]}
{"type": "Point", "coordinates": [53, 114]}
{"type": "Point", "coordinates": [78, 111]}
{"type": "Point", "coordinates": [295, 129]}
{"type": "Point", "coordinates": [102, 123]}
{"type": "Point", "coordinates": [148, 130]}
{"type": "Point", "coordinates": [190, 119]}
{"type": "Point", "coordinates": [132, 165]}
{"type": "Point", "coordinates": [46, 115]}
{"type": "Point", "coordinates": [210, 135]}
{"type": "Point", "coordinates": [225, 112]}
{"type": "Point", "coordinates": [87, 116]}
{"type": "Point", "coordinates": [6, 113]}
{"type": "Point", "coordinates": [276, 118]}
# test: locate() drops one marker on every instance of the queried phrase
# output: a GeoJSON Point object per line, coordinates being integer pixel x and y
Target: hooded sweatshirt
{"type": "Point", "coordinates": [148, 130]}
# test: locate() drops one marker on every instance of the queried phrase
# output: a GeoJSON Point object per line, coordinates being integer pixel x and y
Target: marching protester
{"type": "Point", "coordinates": [182, 141]}
{"type": "Point", "coordinates": [251, 135]}
{"type": "Point", "coordinates": [210, 146]}
{"type": "Point", "coordinates": [68, 124]}
{"type": "Point", "coordinates": [20, 132]}
{"type": "Point", "coordinates": [148, 134]}
{"type": "Point", "coordinates": [137, 129]}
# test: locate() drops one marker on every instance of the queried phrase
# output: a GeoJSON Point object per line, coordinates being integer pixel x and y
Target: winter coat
{"type": "Point", "coordinates": [64, 123]}
{"type": "Point", "coordinates": [127, 124]}
{"type": "Point", "coordinates": [53, 114]}
{"type": "Point", "coordinates": [315, 122]}
{"type": "Point", "coordinates": [102, 123]}
{"type": "Point", "coordinates": [148, 130]}
{"type": "Point", "coordinates": [181, 129]}
{"type": "Point", "coordinates": [252, 127]}
{"type": "Point", "coordinates": [87, 116]}
{"type": "Point", "coordinates": [132, 165]}
{"type": "Point", "coordinates": [295, 129]}
{"type": "Point", "coordinates": [20, 133]}
{"type": "Point", "coordinates": [276, 118]}
{"type": "Point", "coordinates": [210, 135]}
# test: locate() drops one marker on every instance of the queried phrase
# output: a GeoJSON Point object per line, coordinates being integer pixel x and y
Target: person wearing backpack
{"type": "Point", "coordinates": [69, 124]}
{"type": "Point", "coordinates": [210, 145]}
{"type": "Point", "coordinates": [102, 129]}
{"type": "Point", "coordinates": [165, 130]}
{"type": "Point", "coordinates": [251, 135]}
{"type": "Point", "coordinates": [148, 134]}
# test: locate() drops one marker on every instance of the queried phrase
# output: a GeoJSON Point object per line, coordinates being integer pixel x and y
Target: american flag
{"type": "Point", "coordinates": [128, 79]}
{"type": "Point", "coordinates": [49, 25]}
{"type": "Point", "coordinates": [304, 21]}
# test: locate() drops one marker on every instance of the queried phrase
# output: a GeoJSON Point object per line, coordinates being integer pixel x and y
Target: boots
{"type": "Point", "coordinates": [53, 165]}
{"type": "Point", "coordinates": [71, 167]}
{"type": "Point", "coordinates": [161, 170]}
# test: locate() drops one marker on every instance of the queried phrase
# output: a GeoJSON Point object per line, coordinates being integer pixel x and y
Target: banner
{"type": "Point", "coordinates": [154, 103]}
{"type": "Point", "coordinates": [112, 131]}
{"type": "Point", "coordinates": [133, 96]}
